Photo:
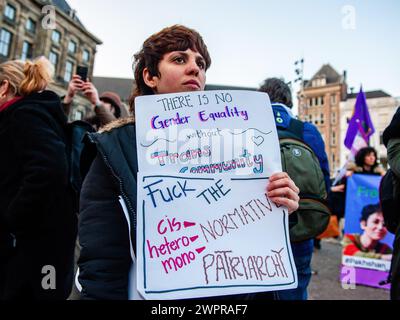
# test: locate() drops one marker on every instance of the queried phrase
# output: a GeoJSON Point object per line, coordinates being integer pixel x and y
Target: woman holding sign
{"type": "Point", "coordinates": [170, 61]}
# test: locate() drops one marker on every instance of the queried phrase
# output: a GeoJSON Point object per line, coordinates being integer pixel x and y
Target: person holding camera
{"type": "Point", "coordinates": [106, 108]}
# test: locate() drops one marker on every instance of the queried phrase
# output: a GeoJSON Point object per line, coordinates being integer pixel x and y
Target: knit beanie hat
{"type": "Point", "coordinates": [114, 99]}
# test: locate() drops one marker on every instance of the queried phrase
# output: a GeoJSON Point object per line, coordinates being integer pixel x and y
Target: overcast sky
{"type": "Point", "coordinates": [250, 40]}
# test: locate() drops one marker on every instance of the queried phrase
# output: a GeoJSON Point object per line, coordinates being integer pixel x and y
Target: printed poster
{"type": "Point", "coordinates": [367, 244]}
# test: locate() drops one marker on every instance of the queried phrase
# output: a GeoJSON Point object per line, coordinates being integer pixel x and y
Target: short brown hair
{"type": "Point", "coordinates": [174, 38]}
{"type": "Point", "coordinates": [278, 91]}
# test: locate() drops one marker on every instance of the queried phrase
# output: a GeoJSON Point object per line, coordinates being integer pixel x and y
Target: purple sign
{"type": "Point", "coordinates": [367, 244]}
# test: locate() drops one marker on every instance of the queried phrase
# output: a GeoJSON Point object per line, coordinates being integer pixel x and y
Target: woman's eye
{"type": "Point", "coordinates": [201, 64]}
{"type": "Point", "coordinates": [179, 60]}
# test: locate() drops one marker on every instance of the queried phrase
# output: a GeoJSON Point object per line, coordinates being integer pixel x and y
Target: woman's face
{"type": "Point", "coordinates": [4, 92]}
{"type": "Point", "coordinates": [374, 227]}
{"type": "Point", "coordinates": [370, 159]}
{"type": "Point", "coordinates": [180, 71]}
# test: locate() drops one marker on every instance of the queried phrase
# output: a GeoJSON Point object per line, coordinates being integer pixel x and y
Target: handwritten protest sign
{"type": "Point", "coordinates": [201, 236]}
{"type": "Point", "coordinates": [363, 220]}
{"type": "Point", "coordinates": [207, 132]}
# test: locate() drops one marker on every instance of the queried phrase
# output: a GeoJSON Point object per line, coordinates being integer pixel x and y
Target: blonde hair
{"type": "Point", "coordinates": [27, 77]}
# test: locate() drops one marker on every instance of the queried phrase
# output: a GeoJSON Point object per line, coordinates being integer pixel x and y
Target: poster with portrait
{"type": "Point", "coordinates": [367, 244]}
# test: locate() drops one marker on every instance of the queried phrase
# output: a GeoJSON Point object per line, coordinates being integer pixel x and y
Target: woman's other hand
{"type": "Point", "coordinates": [338, 188]}
{"type": "Point", "coordinates": [387, 257]}
{"type": "Point", "coordinates": [74, 86]}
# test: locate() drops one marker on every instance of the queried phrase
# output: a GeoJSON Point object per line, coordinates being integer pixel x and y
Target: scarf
{"type": "Point", "coordinates": [5, 105]}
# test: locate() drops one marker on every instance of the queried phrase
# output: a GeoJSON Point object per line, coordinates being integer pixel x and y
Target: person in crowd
{"type": "Point", "coordinates": [368, 244]}
{"type": "Point", "coordinates": [38, 224]}
{"type": "Point", "coordinates": [173, 60]}
{"type": "Point", "coordinates": [366, 162]}
{"type": "Point", "coordinates": [391, 139]}
{"type": "Point", "coordinates": [281, 99]}
{"type": "Point", "coordinates": [107, 107]}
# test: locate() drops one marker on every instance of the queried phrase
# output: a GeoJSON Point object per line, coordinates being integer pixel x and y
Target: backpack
{"type": "Point", "coordinates": [302, 165]}
{"type": "Point", "coordinates": [76, 131]}
{"type": "Point", "coordinates": [390, 200]}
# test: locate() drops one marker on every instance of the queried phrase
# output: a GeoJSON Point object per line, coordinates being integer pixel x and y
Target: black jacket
{"type": "Point", "coordinates": [37, 219]}
{"type": "Point", "coordinates": [393, 132]}
{"type": "Point", "coordinates": [105, 258]}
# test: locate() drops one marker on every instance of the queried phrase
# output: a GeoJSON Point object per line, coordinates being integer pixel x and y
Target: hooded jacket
{"type": "Point", "coordinates": [391, 139]}
{"type": "Point", "coordinates": [38, 224]}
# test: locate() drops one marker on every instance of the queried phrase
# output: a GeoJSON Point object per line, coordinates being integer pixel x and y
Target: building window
{"type": "Point", "coordinates": [333, 99]}
{"type": "Point", "coordinates": [26, 51]}
{"type": "Point", "coordinates": [333, 119]}
{"type": "Point", "coordinates": [72, 47]}
{"type": "Point", "coordinates": [69, 66]}
{"type": "Point", "coordinates": [56, 36]}
{"type": "Point", "coordinates": [9, 12]}
{"type": "Point", "coordinates": [322, 100]}
{"type": "Point", "coordinates": [333, 160]}
{"type": "Point", "coordinates": [30, 25]}
{"type": "Point", "coordinates": [86, 55]}
{"type": "Point", "coordinates": [53, 57]}
{"type": "Point", "coordinates": [5, 42]}
{"type": "Point", "coordinates": [310, 120]}
{"type": "Point", "coordinates": [313, 102]}
{"type": "Point", "coordinates": [319, 82]}
{"type": "Point", "coordinates": [322, 118]}
{"type": "Point", "coordinates": [333, 138]}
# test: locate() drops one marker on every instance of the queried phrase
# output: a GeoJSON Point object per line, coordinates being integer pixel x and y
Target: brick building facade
{"type": "Point", "coordinates": [27, 30]}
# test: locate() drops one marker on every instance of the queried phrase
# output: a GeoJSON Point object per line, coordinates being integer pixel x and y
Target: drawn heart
{"type": "Point", "coordinates": [258, 141]}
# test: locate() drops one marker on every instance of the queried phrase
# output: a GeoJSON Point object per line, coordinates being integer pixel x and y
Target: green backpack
{"type": "Point", "coordinates": [302, 165]}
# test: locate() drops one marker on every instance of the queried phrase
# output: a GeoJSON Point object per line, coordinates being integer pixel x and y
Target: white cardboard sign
{"type": "Point", "coordinates": [203, 236]}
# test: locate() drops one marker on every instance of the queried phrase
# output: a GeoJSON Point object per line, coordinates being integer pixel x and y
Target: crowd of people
{"type": "Point", "coordinates": [44, 223]}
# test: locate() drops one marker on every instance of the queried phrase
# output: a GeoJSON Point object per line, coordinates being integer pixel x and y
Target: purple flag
{"type": "Point", "coordinates": [360, 123]}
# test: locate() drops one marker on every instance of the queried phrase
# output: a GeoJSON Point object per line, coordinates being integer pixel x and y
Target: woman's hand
{"type": "Point", "coordinates": [387, 257]}
{"type": "Point", "coordinates": [90, 91]}
{"type": "Point", "coordinates": [338, 188]}
{"type": "Point", "coordinates": [349, 173]}
{"type": "Point", "coordinates": [74, 86]}
{"type": "Point", "coordinates": [283, 191]}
